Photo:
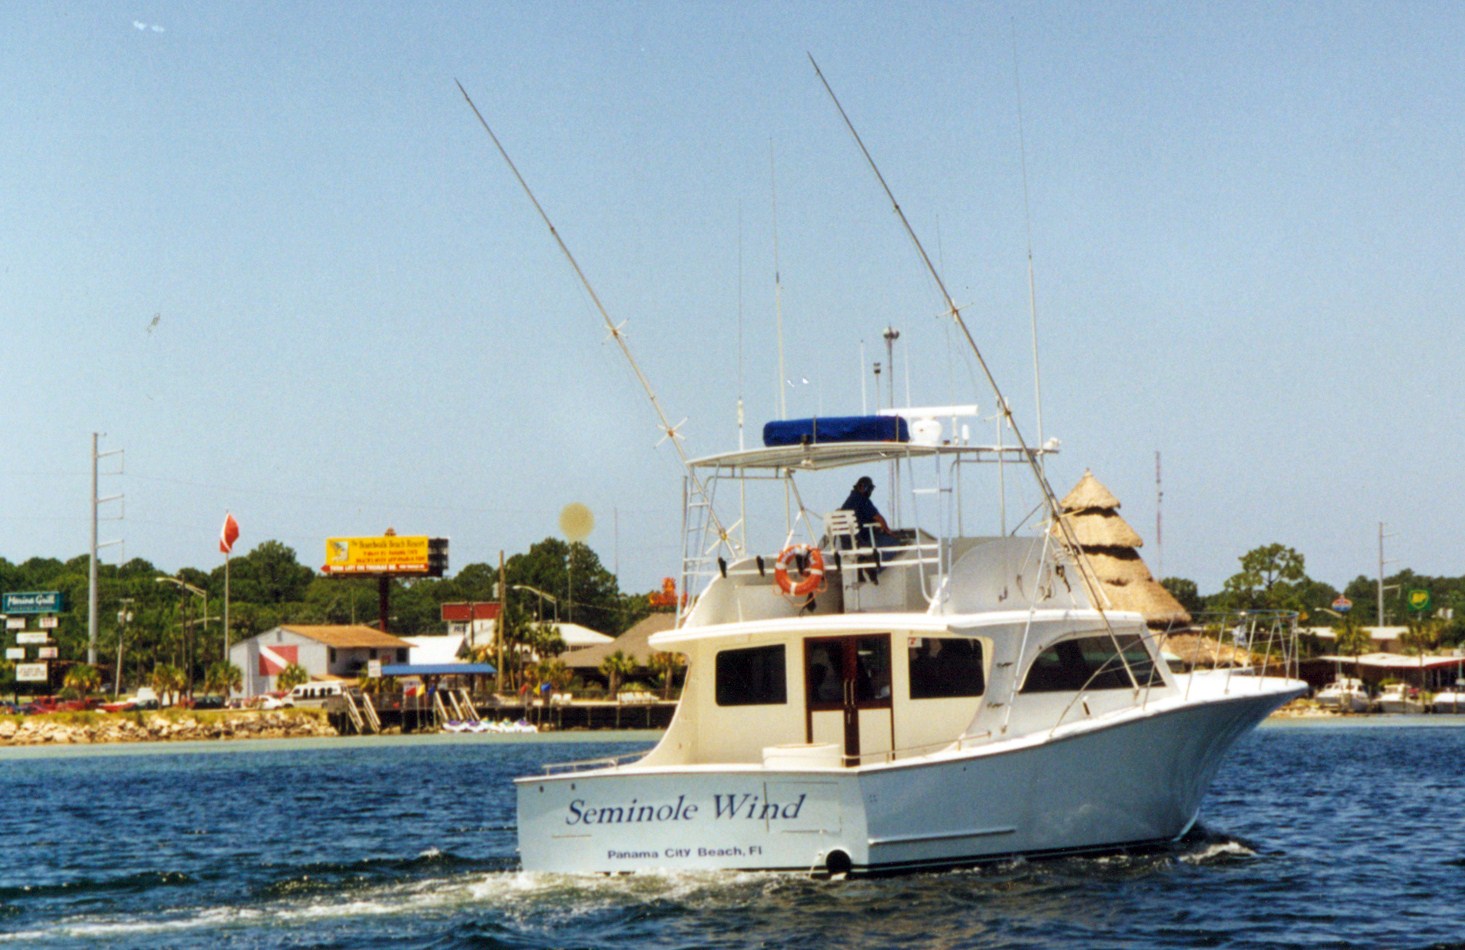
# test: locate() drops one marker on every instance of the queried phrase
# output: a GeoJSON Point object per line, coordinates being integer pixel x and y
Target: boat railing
{"type": "Point", "coordinates": [585, 765]}
{"type": "Point", "coordinates": [1246, 643]}
{"type": "Point", "coordinates": [914, 751]}
{"type": "Point", "coordinates": [915, 552]}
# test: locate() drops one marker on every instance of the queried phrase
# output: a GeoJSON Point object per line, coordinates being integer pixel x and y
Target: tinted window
{"type": "Point", "coordinates": [946, 666]}
{"type": "Point", "coordinates": [753, 677]}
{"type": "Point", "coordinates": [1090, 663]}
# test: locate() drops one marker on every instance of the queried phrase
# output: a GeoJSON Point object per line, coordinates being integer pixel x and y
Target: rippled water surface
{"type": "Point", "coordinates": [1314, 834]}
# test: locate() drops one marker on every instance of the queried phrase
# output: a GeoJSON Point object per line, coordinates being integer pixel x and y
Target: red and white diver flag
{"type": "Point", "coordinates": [228, 534]}
{"type": "Point", "coordinates": [274, 659]}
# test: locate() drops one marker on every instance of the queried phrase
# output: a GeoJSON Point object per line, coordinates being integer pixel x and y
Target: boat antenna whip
{"type": "Point", "coordinates": [663, 422]}
{"type": "Point", "coordinates": [1070, 541]}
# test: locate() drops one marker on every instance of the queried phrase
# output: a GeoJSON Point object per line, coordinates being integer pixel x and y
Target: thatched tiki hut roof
{"type": "Point", "coordinates": [1092, 513]}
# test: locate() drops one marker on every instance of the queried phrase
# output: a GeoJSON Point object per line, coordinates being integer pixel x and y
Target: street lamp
{"type": "Point", "coordinates": [123, 617]}
{"type": "Point", "coordinates": [188, 629]}
{"type": "Point", "coordinates": [542, 596]}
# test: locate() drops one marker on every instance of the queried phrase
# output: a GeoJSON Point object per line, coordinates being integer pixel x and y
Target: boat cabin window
{"type": "Point", "coordinates": [752, 677]}
{"type": "Point", "coordinates": [943, 667]}
{"type": "Point", "coordinates": [1090, 662]}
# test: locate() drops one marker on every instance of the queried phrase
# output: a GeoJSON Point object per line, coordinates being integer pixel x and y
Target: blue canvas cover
{"type": "Point", "coordinates": [835, 429]}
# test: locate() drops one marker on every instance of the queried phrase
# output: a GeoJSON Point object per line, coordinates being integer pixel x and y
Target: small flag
{"type": "Point", "coordinates": [229, 534]}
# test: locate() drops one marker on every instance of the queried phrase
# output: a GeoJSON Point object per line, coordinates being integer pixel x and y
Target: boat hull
{"type": "Point", "coordinates": [1133, 782]}
{"type": "Point", "coordinates": [1346, 702]}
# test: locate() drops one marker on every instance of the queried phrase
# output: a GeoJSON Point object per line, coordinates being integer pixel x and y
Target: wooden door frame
{"type": "Point", "coordinates": [849, 704]}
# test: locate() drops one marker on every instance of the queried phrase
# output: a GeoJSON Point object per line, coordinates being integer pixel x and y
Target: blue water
{"type": "Point", "coordinates": [1314, 835]}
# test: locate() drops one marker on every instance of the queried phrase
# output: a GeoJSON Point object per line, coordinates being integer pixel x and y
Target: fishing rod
{"type": "Point", "coordinates": [1070, 541]}
{"type": "Point", "coordinates": [669, 431]}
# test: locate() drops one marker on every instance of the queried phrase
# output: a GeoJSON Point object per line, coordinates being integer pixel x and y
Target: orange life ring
{"type": "Point", "coordinates": [813, 573]}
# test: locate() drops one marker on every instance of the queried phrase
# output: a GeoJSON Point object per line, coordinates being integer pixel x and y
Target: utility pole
{"type": "Point", "coordinates": [503, 619]}
{"type": "Point", "coordinates": [1382, 562]}
{"type": "Point", "coordinates": [91, 612]}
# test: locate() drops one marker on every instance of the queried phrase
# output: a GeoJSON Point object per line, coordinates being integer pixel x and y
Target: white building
{"type": "Point", "coordinates": [334, 650]}
{"type": "Point", "coordinates": [436, 650]}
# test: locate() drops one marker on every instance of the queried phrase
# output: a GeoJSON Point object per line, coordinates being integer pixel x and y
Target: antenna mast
{"type": "Point", "coordinates": [1028, 220]}
{"type": "Point", "coordinates": [1159, 538]}
{"type": "Point", "coordinates": [669, 430]}
{"type": "Point", "coordinates": [777, 288]}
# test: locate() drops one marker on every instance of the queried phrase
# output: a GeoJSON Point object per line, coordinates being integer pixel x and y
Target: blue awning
{"type": "Point", "coordinates": [438, 669]}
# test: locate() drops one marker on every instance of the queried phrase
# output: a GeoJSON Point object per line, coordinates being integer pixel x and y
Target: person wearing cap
{"type": "Point", "coordinates": [869, 519]}
{"type": "Point", "coordinates": [865, 511]}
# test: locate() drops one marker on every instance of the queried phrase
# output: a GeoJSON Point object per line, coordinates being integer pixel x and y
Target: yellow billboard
{"type": "Point", "coordinates": [387, 554]}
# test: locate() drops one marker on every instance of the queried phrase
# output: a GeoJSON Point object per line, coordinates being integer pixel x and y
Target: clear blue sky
{"type": "Point", "coordinates": [267, 250]}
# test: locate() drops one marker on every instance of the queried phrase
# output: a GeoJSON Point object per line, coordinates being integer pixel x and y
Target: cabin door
{"type": "Point", "coordinates": [847, 690]}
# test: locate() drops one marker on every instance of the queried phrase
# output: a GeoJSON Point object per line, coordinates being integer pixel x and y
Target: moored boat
{"type": "Point", "coordinates": [1344, 694]}
{"type": "Point", "coordinates": [1399, 698]}
{"type": "Point", "coordinates": [1450, 700]}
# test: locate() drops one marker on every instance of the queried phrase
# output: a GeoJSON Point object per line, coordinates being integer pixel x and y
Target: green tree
{"type": "Point", "coordinates": [292, 676]}
{"type": "Point", "coordinates": [1272, 577]}
{"type": "Point", "coordinates": [269, 574]}
{"type": "Point", "coordinates": [339, 600]}
{"type": "Point", "coordinates": [222, 678]}
{"type": "Point", "coordinates": [665, 666]}
{"type": "Point", "coordinates": [1186, 592]}
{"type": "Point", "coordinates": [84, 679]}
{"type": "Point", "coordinates": [167, 682]}
{"type": "Point", "coordinates": [551, 670]}
{"type": "Point", "coordinates": [552, 566]}
{"type": "Point", "coordinates": [1421, 636]}
{"type": "Point", "coordinates": [1353, 638]}
{"type": "Point", "coordinates": [474, 583]}
{"type": "Point", "coordinates": [617, 667]}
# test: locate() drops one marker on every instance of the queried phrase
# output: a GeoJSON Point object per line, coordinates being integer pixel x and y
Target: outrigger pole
{"type": "Point", "coordinates": [663, 422]}
{"type": "Point", "coordinates": [1096, 596]}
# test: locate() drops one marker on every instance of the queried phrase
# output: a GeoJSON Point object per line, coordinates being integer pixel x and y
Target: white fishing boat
{"type": "Point", "coordinates": [861, 704]}
{"type": "Point", "coordinates": [1400, 698]}
{"type": "Point", "coordinates": [969, 702]}
{"type": "Point", "coordinates": [1450, 700]}
{"type": "Point", "coordinates": [1344, 694]}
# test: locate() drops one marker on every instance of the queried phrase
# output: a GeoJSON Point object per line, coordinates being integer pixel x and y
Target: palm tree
{"type": "Point", "coordinates": [167, 682]}
{"type": "Point", "coordinates": [292, 676]}
{"type": "Point", "coordinates": [554, 672]}
{"type": "Point", "coordinates": [83, 679]}
{"type": "Point", "coordinates": [665, 666]}
{"type": "Point", "coordinates": [223, 678]}
{"type": "Point", "coordinates": [1353, 638]}
{"type": "Point", "coordinates": [615, 667]}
